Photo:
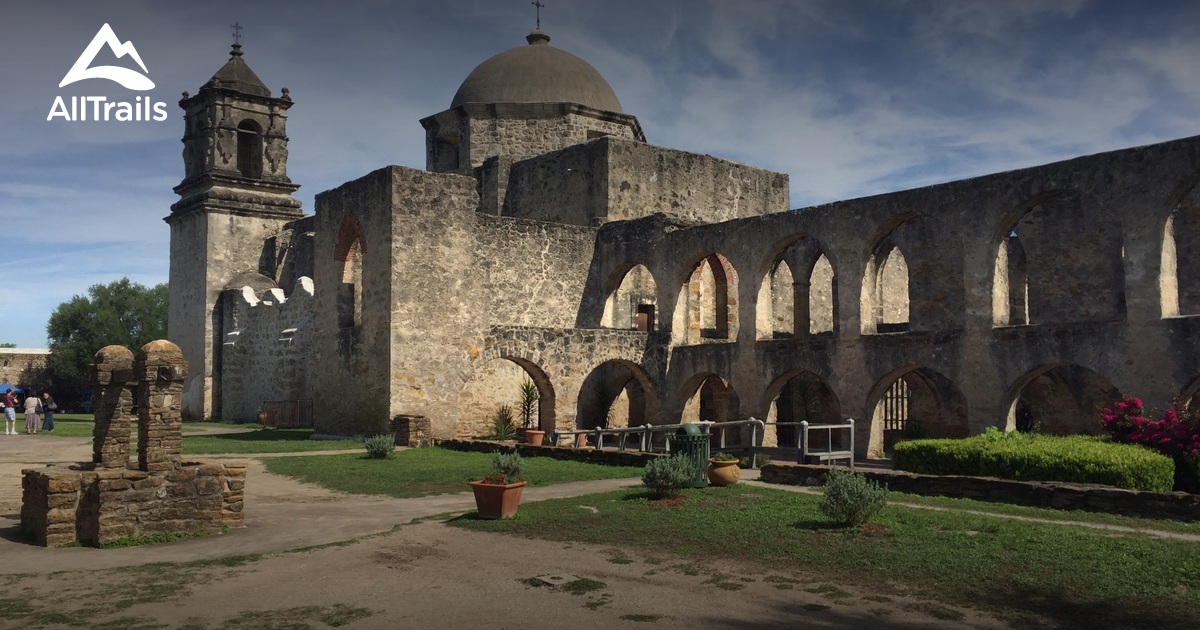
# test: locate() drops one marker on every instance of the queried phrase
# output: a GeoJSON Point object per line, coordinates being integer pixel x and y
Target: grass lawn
{"type": "Point", "coordinates": [425, 471]}
{"type": "Point", "coordinates": [1078, 578]}
{"type": "Point", "coordinates": [271, 441]}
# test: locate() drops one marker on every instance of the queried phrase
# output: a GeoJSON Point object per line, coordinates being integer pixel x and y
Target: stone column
{"type": "Point", "coordinates": [160, 370]}
{"type": "Point", "coordinates": [113, 382]}
{"type": "Point", "coordinates": [801, 315]}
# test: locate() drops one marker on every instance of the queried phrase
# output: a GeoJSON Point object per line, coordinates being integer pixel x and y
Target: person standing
{"type": "Point", "coordinates": [48, 408]}
{"type": "Point", "coordinates": [32, 407]}
{"type": "Point", "coordinates": [10, 412]}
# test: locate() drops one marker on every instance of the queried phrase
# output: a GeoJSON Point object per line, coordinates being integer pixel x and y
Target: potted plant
{"type": "Point", "coordinates": [498, 495]}
{"type": "Point", "coordinates": [262, 415]}
{"type": "Point", "coordinates": [528, 404]}
{"type": "Point", "coordinates": [723, 470]}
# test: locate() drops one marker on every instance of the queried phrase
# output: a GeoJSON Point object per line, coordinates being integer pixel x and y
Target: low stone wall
{"type": "Point", "coordinates": [63, 504]}
{"type": "Point", "coordinates": [1060, 496]}
{"type": "Point", "coordinates": [589, 455]}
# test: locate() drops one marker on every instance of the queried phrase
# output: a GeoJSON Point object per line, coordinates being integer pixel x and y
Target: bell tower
{"type": "Point", "coordinates": [234, 196]}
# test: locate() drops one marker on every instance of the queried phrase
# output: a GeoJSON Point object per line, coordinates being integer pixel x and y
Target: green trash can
{"type": "Point", "coordinates": [689, 441]}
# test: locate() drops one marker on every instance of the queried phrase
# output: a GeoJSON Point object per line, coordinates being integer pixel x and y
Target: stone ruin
{"type": "Point", "coordinates": [112, 497]}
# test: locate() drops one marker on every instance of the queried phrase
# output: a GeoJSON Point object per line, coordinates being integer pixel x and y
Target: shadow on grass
{"type": "Point", "coordinates": [1068, 612]}
{"type": "Point", "coordinates": [273, 435]}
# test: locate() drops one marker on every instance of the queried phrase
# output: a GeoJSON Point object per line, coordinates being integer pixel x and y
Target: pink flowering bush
{"type": "Point", "coordinates": [1175, 433]}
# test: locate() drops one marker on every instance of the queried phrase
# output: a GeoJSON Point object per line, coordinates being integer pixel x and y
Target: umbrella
{"type": "Point", "coordinates": [5, 387]}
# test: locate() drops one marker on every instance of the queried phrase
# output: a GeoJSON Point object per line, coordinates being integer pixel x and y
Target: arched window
{"type": "Point", "coordinates": [891, 284]}
{"type": "Point", "coordinates": [349, 251]}
{"type": "Point", "coordinates": [820, 297]}
{"type": "Point", "coordinates": [249, 149]}
{"type": "Point", "coordinates": [1012, 283]}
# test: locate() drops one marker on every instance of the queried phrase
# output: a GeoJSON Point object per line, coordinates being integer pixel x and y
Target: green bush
{"type": "Point", "coordinates": [510, 465]}
{"type": "Point", "coordinates": [503, 427]}
{"type": "Point", "coordinates": [665, 476]}
{"type": "Point", "coordinates": [850, 498]}
{"type": "Point", "coordinates": [759, 461]}
{"type": "Point", "coordinates": [380, 446]}
{"type": "Point", "coordinates": [1033, 457]}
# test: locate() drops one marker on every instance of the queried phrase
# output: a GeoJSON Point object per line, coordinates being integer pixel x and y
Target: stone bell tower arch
{"type": "Point", "coordinates": [235, 194]}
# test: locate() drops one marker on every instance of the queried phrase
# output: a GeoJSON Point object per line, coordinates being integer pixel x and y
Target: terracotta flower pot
{"type": "Point", "coordinates": [723, 473]}
{"type": "Point", "coordinates": [495, 500]}
{"type": "Point", "coordinates": [535, 437]}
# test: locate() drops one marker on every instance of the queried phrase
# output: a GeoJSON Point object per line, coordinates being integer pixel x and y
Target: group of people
{"type": "Point", "coordinates": [35, 407]}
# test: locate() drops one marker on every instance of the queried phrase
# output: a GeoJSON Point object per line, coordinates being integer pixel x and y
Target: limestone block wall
{"type": "Point", "coordinates": [113, 497]}
{"type": "Point", "coordinates": [24, 367]}
{"type": "Point", "coordinates": [1106, 314]}
{"type": "Point", "coordinates": [271, 355]}
{"type": "Point", "coordinates": [613, 179]}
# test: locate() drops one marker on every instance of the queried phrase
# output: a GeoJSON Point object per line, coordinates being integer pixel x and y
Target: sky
{"type": "Point", "coordinates": [849, 97]}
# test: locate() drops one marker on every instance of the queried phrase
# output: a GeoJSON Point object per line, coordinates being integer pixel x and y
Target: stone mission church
{"type": "Point", "coordinates": [632, 284]}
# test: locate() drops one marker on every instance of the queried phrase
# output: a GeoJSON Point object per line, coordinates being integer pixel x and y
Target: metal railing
{"type": "Point", "coordinates": [653, 437]}
{"type": "Point", "coordinates": [807, 455]}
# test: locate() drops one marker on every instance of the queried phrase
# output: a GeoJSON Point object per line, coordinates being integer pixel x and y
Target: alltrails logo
{"type": "Point", "coordinates": [100, 107]}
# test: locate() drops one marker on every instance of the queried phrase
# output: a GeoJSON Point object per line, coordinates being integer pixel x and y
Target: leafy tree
{"type": "Point", "coordinates": [8, 345]}
{"type": "Point", "coordinates": [122, 313]}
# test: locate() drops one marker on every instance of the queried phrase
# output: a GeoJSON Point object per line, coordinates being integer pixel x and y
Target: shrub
{"type": "Point", "coordinates": [380, 446]}
{"type": "Point", "coordinates": [502, 424]}
{"type": "Point", "coordinates": [528, 402]}
{"type": "Point", "coordinates": [509, 466]}
{"type": "Point", "coordinates": [1176, 434]}
{"type": "Point", "coordinates": [665, 476]}
{"type": "Point", "coordinates": [850, 498]}
{"type": "Point", "coordinates": [724, 457]}
{"type": "Point", "coordinates": [759, 461]}
{"type": "Point", "coordinates": [1033, 457]}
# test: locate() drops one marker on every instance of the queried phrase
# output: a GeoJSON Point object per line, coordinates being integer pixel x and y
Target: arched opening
{"type": "Point", "coordinates": [914, 402]}
{"type": "Point", "coordinates": [249, 149]}
{"type": "Point", "coordinates": [800, 396]}
{"type": "Point", "coordinates": [497, 383]}
{"type": "Point", "coordinates": [776, 307]}
{"type": "Point", "coordinates": [1179, 277]}
{"type": "Point", "coordinates": [633, 303]}
{"type": "Point", "coordinates": [349, 252]}
{"type": "Point", "coordinates": [889, 290]}
{"type": "Point", "coordinates": [707, 304]}
{"type": "Point", "coordinates": [1058, 260]}
{"type": "Point", "coordinates": [821, 297]}
{"type": "Point", "coordinates": [616, 394]}
{"type": "Point", "coordinates": [1010, 295]}
{"type": "Point", "coordinates": [1063, 399]}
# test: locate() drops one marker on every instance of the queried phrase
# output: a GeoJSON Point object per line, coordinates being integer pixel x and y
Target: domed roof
{"type": "Point", "coordinates": [537, 73]}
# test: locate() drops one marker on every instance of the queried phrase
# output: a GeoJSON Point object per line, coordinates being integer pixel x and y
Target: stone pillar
{"type": "Point", "coordinates": [801, 315]}
{"type": "Point", "coordinates": [160, 370]}
{"type": "Point", "coordinates": [113, 382]}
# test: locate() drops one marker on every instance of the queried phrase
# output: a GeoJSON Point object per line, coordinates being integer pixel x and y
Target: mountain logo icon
{"type": "Point", "coordinates": [129, 79]}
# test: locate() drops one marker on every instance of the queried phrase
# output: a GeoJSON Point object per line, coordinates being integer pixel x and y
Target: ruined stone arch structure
{"type": "Point", "coordinates": [545, 227]}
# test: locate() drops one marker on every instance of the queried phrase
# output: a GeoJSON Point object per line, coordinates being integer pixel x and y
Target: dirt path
{"type": "Point", "coordinates": [425, 574]}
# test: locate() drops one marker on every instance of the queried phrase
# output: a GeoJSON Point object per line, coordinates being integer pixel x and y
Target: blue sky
{"type": "Point", "coordinates": [849, 97]}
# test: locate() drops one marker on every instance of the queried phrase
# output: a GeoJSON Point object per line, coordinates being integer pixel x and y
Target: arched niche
{"type": "Point", "coordinates": [498, 382]}
{"type": "Point", "coordinates": [914, 402]}
{"type": "Point", "coordinates": [800, 396]}
{"type": "Point", "coordinates": [796, 294]}
{"type": "Point", "coordinates": [1059, 399]}
{"type": "Point", "coordinates": [707, 304]}
{"type": "Point", "coordinates": [632, 300]}
{"type": "Point", "coordinates": [616, 394]}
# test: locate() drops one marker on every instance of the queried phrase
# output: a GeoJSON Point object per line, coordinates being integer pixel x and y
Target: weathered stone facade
{"type": "Point", "coordinates": [113, 497]}
{"type": "Point", "coordinates": [24, 367]}
{"type": "Point", "coordinates": [637, 284]}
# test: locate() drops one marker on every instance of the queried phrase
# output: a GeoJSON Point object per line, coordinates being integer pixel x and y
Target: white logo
{"type": "Point", "coordinates": [126, 77]}
{"type": "Point", "coordinates": [143, 108]}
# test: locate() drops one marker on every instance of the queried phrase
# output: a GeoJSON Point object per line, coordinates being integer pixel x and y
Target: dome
{"type": "Point", "coordinates": [537, 73]}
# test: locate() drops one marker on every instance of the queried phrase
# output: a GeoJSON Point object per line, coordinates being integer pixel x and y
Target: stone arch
{"type": "Point", "coordinates": [631, 299]}
{"type": "Point", "coordinates": [1179, 271]}
{"type": "Point", "coordinates": [349, 251]}
{"type": "Point", "coordinates": [1072, 270]}
{"type": "Point", "coordinates": [497, 382]}
{"type": "Point", "coordinates": [798, 395]}
{"type": "Point", "coordinates": [914, 401]}
{"type": "Point", "coordinates": [707, 307]}
{"type": "Point", "coordinates": [796, 294]}
{"type": "Point", "coordinates": [1062, 399]}
{"type": "Point", "coordinates": [886, 290]}
{"type": "Point", "coordinates": [617, 393]}
{"type": "Point", "coordinates": [1190, 396]}
{"type": "Point", "coordinates": [709, 396]}
{"type": "Point", "coordinates": [249, 149]}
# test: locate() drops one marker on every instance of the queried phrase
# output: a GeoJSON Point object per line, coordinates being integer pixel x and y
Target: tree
{"type": "Point", "coordinates": [122, 313]}
{"type": "Point", "coordinates": [8, 345]}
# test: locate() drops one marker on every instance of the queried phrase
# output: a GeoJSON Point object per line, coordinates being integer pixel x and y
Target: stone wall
{"type": "Point", "coordinates": [270, 355]}
{"type": "Point", "coordinates": [613, 179]}
{"type": "Point", "coordinates": [112, 497]}
{"type": "Point", "coordinates": [1060, 496]}
{"type": "Point", "coordinates": [24, 367]}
